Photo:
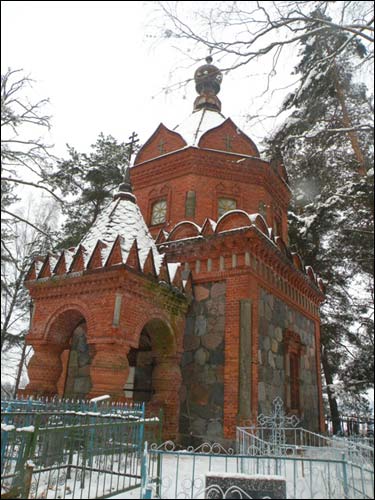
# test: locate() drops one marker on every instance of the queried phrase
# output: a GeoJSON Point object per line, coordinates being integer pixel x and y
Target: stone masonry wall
{"type": "Point", "coordinates": [202, 366]}
{"type": "Point", "coordinates": [274, 317]}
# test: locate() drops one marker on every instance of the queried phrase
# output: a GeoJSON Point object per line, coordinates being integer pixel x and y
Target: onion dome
{"type": "Point", "coordinates": [208, 79]}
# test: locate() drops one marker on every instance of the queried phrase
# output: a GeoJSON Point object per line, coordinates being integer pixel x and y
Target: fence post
{"type": "Point", "coordinates": [345, 476]}
{"type": "Point", "coordinates": [4, 437]}
{"type": "Point", "coordinates": [142, 427]}
{"type": "Point", "coordinates": [22, 479]}
{"type": "Point", "coordinates": [145, 488]}
{"type": "Point", "coordinates": [92, 433]}
{"type": "Point", "coordinates": [29, 468]}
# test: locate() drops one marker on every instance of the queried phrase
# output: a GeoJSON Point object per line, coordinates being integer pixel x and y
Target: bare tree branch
{"type": "Point", "coordinates": [21, 219]}
{"type": "Point", "coordinates": [18, 181]}
{"type": "Point", "coordinates": [230, 30]}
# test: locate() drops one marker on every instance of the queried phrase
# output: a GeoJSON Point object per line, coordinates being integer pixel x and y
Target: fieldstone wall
{"type": "Point", "coordinates": [202, 367]}
{"type": "Point", "coordinates": [78, 381]}
{"type": "Point", "coordinates": [274, 318]}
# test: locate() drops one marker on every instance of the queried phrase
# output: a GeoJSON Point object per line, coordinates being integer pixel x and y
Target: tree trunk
{"type": "Point", "coordinates": [353, 136]}
{"type": "Point", "coordinates": [334, 410]}
{"type": "Point", "coordinates": [20, 367]}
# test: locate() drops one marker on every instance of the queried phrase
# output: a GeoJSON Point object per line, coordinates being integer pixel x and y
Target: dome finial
{"type": "Point", "coordinates": [125, 190]}
{"type": "Point", "coordinates": [207, 83]}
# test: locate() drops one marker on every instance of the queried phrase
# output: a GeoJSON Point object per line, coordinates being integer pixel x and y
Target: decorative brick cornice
{"type": "Point", "coordinates": [211, 163]}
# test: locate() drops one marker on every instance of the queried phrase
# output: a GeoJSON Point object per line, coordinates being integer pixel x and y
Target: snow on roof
{"type": "Point", "coordinates": [38, 266]}
{"type": "Point", "coordinates": [172, 268]}
{"type": "Point", "coordinates": [52, 261]}
{"type": "Point", "coordinates": [197, 124]}
{"type": "Point", "coordinates": [68, 254]}
{"type": "Point", "coordinates": [122, 217]}
{"type": "Point", "coordinates": [212, 223]}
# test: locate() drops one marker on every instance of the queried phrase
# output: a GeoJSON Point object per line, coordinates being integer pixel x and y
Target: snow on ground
{"type": "Point", "coordinates": [184, 476]}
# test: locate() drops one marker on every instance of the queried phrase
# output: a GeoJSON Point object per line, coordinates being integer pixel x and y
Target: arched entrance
{"type": "Point", "coordinates": [155, 375]}
{"type": "Point", "coordinates": [60, 364]}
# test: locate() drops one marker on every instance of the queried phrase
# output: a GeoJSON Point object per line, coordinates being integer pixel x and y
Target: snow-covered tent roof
{"type": "Point", "coordinates": [122, 218]}
{"type": "Point", "coordinates": [119, 236]}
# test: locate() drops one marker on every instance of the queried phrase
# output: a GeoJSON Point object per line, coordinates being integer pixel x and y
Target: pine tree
{"type": "Point", "coordinates": [89, 180]}
{"type": "Point", "coordinates": [328, 151]}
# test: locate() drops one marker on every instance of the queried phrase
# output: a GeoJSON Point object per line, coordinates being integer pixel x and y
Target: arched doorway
{"type": "Point", "coordinates": [52, 368]}
{"type": "Point", "coordinates": [156, 342]}
{"type": "Point", "coordinates": [77, 365]}
{"type": "Point", "coordinates": [155, 375]}
{"type": "Point", "coordinates": [139, 385]}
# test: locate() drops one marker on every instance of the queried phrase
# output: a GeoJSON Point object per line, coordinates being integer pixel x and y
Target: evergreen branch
{"type": "Point", "coordinates": [359, 128]}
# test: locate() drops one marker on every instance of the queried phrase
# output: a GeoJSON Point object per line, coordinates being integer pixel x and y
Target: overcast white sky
{"type": "Point", "coordinates": [103, 71]}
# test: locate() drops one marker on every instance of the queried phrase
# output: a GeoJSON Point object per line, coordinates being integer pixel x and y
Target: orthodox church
{"type": "Point", "coordinates": [184, 293]}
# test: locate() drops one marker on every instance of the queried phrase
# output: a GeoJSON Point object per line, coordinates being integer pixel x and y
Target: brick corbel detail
{"type": "Point", "coordinates": [109, 370]}
{"type": "Point", "coordinates": [44, 369]}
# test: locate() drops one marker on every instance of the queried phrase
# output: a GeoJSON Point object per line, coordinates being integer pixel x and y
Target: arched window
{"type": "Point", "coordinates": [159, 212]}
{"type": "Point", "coordinates": [225, 205]}
{"type": "Point", "coordinates": [190, 204]}
{"type": "Point", "coordinates": [293, 352]}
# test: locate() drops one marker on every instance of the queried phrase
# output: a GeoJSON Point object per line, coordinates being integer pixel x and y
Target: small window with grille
{"type": "Point", "coordinates": [225, 205]}
{"type": "Point", "coordinates": [159, 212]}
{"type": "Point", "coordinates": [190, 204]}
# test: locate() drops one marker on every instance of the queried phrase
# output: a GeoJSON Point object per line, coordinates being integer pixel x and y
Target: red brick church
{"type": "Point", "coordinates": [184, 293]}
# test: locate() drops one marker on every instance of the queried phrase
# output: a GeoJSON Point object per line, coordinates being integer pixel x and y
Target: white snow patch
{"type": "Point", "coordinates": [100, 398]}
{"type": "Point", "coordinates": [213, 224]}
{"type": "Point", "coordinates": [7, 428]}
{"type": "Point", "coordinates": [172, 268]}
{"type": "Point", "coordinates": [29, 428]}
{"type": "Point", "coordinates": [197, 124]}
{"type": "Point", "coordinates": [240, 475]}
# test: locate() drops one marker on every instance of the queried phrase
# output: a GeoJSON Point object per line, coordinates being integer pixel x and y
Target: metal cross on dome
{"type": "Point", "coordinates": [133, 141]}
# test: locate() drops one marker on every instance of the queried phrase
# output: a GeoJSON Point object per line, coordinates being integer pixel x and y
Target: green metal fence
{"type": "Point", "coordinates": [72, 454]}
{"type": "Point", "coordinates": [181, 474]}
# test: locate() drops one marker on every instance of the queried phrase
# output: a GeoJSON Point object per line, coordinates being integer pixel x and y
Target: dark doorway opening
{"type": "Point", "coordinates": [78, 381]}
{"type": "Point", "coordinates": [141, 364]}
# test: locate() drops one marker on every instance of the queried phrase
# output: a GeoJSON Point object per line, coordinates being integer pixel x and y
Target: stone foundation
{"type": "Point", "coordinates": [202, 367]}
{"type": "Point", "coordinates": [275, 317]}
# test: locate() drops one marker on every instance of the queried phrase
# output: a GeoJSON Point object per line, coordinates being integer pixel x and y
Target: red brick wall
{"type": "Point", "coordinates": [62, 303]}
{"type": "Point", "coordinates": [211, 175]}
{"type": "Point", "coordinates": [228, 137]}
{"type": "Point", "coordinates": [162, 141]}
